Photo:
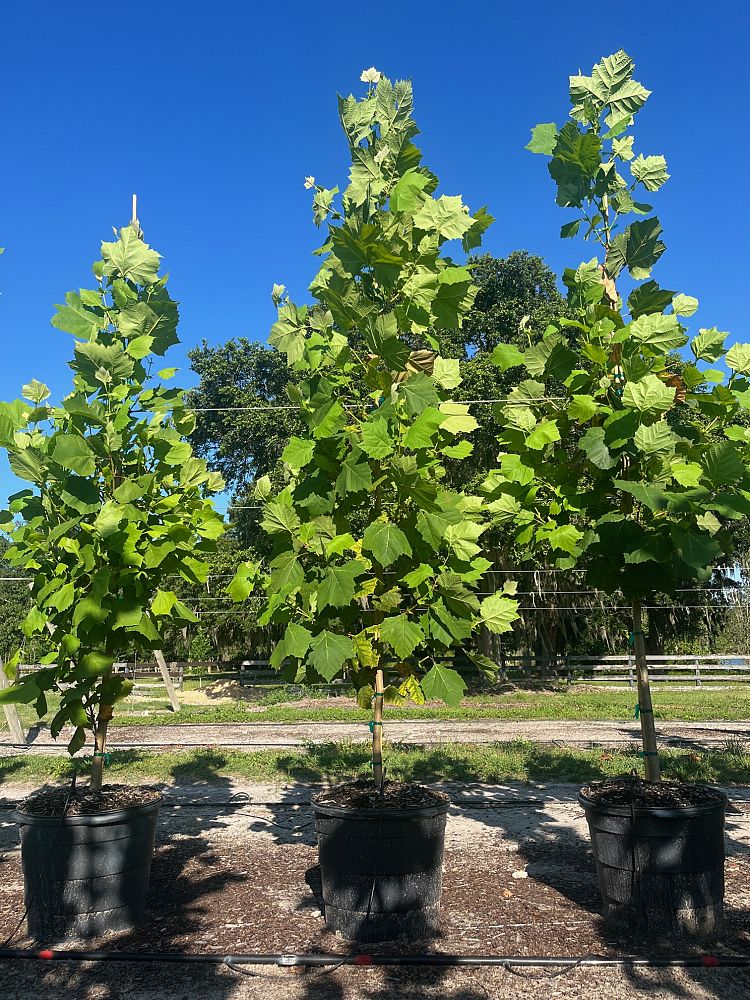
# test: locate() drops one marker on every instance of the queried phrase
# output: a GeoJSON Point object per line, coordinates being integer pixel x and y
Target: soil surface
{"type": "Point", "coordinates": [664, 794]}
{"type": "Point", "coordinates": [235, 871]}
{"type": "Point", "coordinates": [56, 801]}
{"type": "Point", "coordinates": [420, 732]}
{"type": "Point", "coordinates": [364, 794]}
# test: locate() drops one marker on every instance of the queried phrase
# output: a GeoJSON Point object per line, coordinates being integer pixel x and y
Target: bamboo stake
{"type": "Point", "coordinates": [646, 710]}
{"type": "Point", "coordinates": [377, 730]}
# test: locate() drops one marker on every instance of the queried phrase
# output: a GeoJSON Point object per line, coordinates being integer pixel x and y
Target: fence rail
{"type": "Point", "coordinates": [697, 669]}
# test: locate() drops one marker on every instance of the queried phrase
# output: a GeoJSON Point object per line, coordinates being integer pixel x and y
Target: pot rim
{"type": "Point", "coordinates": [413, 812]}
{"type": "Point", "coordinates": [105, 818]}
{"type": "Point", "coordinates": [658, 812]}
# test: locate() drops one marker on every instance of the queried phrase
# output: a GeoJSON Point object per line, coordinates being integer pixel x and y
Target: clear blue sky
{"type": "Point", "coordinates": [215, 112]}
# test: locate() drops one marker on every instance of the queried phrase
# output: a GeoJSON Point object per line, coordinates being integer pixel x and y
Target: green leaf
{"type": "Point", "coordinates": [457, 420]}
{"type": "Point", "coordinates": [279, 516]}
{"type": "Point", "coordinates": [708, 345]}
{"type": "Point", "coordinates": [638, 248]}
{"type": "Point", "coordinates": [78, 739]}
{"type": "Point", "coordinates": [649, 298]}
{"type": "Point", "coordinates": [684, 305]}
{"type": "Point", "coordinates": [654, 438]}
{"type": "Point", "coordinates": [651, 171]}
{"type": "Point", "coordinates": [443, 684]}
{"type": "Point", "coordinates": [75, 318]}
{"type": "Point", "coordinates": [376, 441]}
{"type": "Point", "coordinates": [660, 331]}
{"type": "Point", "coordinates": [506, 356]}
{"type": "Point", "coordinates": [738, 358]}
{"type": "Point", "coordinates": [454, 297]}
{"type": "Point", "coordinates": [355, 477]}
{"type": "Point", "coordinates": [72, 452]}
{"type": "Point", "coordinates": [570, 229]}
{"type": "Point", "coordinates": [418, 392]}
{"type": "Point", "coordinates": [298, 453]}
{"type": "Point", "coordinates": [287, 574]}
{"type": "Point", "coordinates": [444, 216]}
{"type": "Point", "coordinates": [163, 602]}
{"type": "Point", "coordinates": [94, 664]}
{"type": "Point", "coordinates": [498, 613]}
{"type": "Point", "coordinates": [402, 635]}
{"type": "Point", "coordinates": [328, 653]}
{"type": "Point", "coordinates": [386, 541]}
{"type": "Point", "coordinates": [543, 434]}
{"type": "Point", "coordinates": [582, 408]}
{"type": "Point", "coordinates": [686, 473]}
{"type": "Point", "coordinates": [698, 549]}
{"type": "Point", "coordinates": [243, 582]}
{"type": "Point", "coordinates": [337, 586]}
{"type": "Point", "coordinates": [566, 538]}
{"type": "Point", "coordinates": [421, 432]}
{"type": "Point", "coordinates": [722, 464]}
{"type": "Point", "coordinates": [447, 372]}
{"type": "Point", "coordinates": [597, 452]}
{"type": "Point", "coordinates": [461, 450]}
{"type": "Point", "coordinates": [36, 391]}
{"type": "Point", "coordinates": [408, 192]}
{"type": "Point", "coordinates": [543, 138]}
{"type": "Point", "coordinates": [650, 395]}
{"type": "Point", "coordinates": [131, 258]}
{"type": "Point", "coordinates": [108, 519]}
{"type": "Point", "coordinates": [178, 453]}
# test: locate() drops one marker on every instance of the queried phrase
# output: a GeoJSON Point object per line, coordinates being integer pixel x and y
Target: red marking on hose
{"type": "Point", "coordinates": [46, 954]}
{"type": "Point", "coordinates": [711, 960]}
{"type": "Point", "coordinates": [363, 960]}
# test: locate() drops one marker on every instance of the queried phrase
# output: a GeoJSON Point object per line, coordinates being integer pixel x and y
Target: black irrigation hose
{"type": "Point", "coordinates": [425, 960]}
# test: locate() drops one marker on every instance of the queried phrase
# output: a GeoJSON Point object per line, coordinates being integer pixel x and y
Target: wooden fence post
{"type": "Point", "coordinates": [164, 671]}
{"type": "Point", "coordinates": [11, 712]}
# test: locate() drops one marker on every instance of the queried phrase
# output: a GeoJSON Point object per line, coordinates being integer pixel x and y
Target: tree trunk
{"type": "Point", "coordinates": [377, 730]}
{"type": "Point", "coordinates": [100, 738]}
{"type": "Point", "coordinates": [646, 711]}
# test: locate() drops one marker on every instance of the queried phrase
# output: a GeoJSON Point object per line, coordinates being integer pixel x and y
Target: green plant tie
{"type": "Point", "coordinates": [637, 711]}
{"type": "Point", "coordinates": [648, 753]}
{"type": "Point", "coordinates": [372, 725]}
{"type": "Point", "coordinates": [631, 639]}
{"type": "Point", "coordinates": [380, 694]}
{"type": "Point", "coordinates": [104, 756]}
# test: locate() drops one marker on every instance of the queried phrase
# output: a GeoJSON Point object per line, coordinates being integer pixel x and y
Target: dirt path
{"type": "Point", "coordinates": [237, 873]}
{"type": "Point", "coordinates": [267, 735]}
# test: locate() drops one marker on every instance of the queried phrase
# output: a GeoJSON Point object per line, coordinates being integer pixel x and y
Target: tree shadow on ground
{"type": "Point", "coordinates": [187, 873]}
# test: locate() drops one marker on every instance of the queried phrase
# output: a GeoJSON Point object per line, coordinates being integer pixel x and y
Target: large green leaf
{"type": "Point", "coordinates": [422, 431]}
{"type": "Point", "coordinates": [659, 331]}
{"type": "Point", "coordinates": [328, 653]}
{"type": "Point", "coordinates": [722, 464]}
{"type": "Point", "coordinates": [76, 318]}
{"type": "Point", "coordinates": [597, 452]}
{"type": "Point", "coordinates": [708, 345]}
{"type": "Point", "coordinates": [650, 395]}
{"type": "Point", "coordinates": [651, 171]}
{"type": "Point", "coordinates": [738, 358]}
{"type": "Point", "coordinates": [298, 453]}
{"type": "Point", "coordinates": [444, 216]}
{"type": "Point", "coordinates": [498, 613]}
{"type": "Point", "coordinates": [418, 392]}
{"type": "Point", "coordinates": [376, 440]}
{"type": "Point", "coordinates": [386, 541]}
{"type": "Point", "coordinates": [655, 438]}
{"type": "Point", "coordinates": [543, 138]}
{"type": "Point", "coordinates": [638, 248]}
{"type": "Point", "coordinates": [73, 452]}
{"type": "Point", "coordinates": [443, 684]}
{"type": "Point", "coordinates": [649, 298]}
{"type": "Point", "coordinates": [336, 588]}
{"type": "Point", "coordinates": [402, 635]}
{"type": "Point", "coordinates": [131, 258]}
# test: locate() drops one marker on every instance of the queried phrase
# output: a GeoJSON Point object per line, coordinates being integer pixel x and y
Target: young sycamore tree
{"type": "Point", "coordinates": [118, 504]}
{"type": "Point", "coordinates": [376, 561]}
{"type": "Point", "coordinates": [639, 468]}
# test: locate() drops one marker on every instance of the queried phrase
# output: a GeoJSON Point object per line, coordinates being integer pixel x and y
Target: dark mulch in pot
{"type": "Point", "coordinates": [56, 801]}
{"type": "Point", "coordinates": [365, 794]}
{"type": "Point", "coordinates": [664, 794]}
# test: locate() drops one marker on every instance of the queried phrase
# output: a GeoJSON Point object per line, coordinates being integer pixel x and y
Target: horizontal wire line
{"type": "Point", "coordinates": [296, 406]}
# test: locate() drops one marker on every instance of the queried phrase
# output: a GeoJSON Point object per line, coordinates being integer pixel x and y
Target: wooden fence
{"type": "Point", "coordinates": [695, 669]}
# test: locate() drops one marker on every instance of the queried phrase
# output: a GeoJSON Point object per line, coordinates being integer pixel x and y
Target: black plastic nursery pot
{"type": "Point", "coordinates": [660, 869]}
{"type": "Point", "coordinates": [399, 853]}
{"type": "Point", "coordinates": [87, 874]}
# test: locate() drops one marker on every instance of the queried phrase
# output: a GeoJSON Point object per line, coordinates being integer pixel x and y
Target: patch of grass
{"type": "Point", "coordinates": [515, 761]}
{"type": "Point", "coordinates": [565, 703]}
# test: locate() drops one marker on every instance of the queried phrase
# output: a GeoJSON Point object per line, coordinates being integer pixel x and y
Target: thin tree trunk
{"type": "Point", "coordinates": [377, 730]}
{"type": "Point", "coordinates": [100, 738]}
{"type": "Point", "coordinates": [646, 711]}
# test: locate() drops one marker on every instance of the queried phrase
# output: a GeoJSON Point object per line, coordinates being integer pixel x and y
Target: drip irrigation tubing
{"type": "Point", "coordinates": [365, 959]}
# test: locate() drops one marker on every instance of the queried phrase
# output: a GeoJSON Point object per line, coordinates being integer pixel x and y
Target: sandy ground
{"type": "Point", "coordinates": [234, 871]}
{"type": "Point", "coordinates": [265, 735]}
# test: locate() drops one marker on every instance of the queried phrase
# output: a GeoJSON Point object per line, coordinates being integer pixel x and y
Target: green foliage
{"type": "Point", "coordinates": [118, 506]}
{"type": "Point", "coordinates": [647, 469]}
{"type": "Point", "coordinates": [374, 557]}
